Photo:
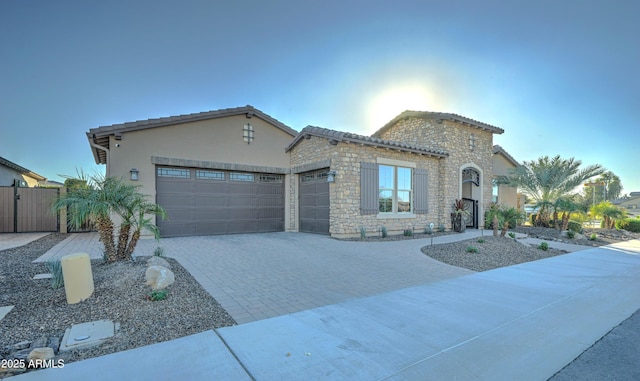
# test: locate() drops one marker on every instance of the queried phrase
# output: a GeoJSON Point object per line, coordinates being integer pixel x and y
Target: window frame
{"type": "Point", "coordinates": [395, 190]}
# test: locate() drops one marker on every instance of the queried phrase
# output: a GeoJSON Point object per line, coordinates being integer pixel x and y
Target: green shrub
{"type": "Point", "coordinates": [574, 226]}
{"type": "Point", "coordinates": [629, 224]}
{"type": "Point", "coordinates": [480, 240]}
{"type": "Point", "coordinates": [157, 295]}
{"type": "Point", "coordinates": [593, 237]}
{"type": "Point", "coordinates": [363, 232]}
{"type": "Point", "coordinates": [571, 234]}
{"type": "Point", "coordinates": [543, 246]}
{"type": "Point", "coordinates": [55, 268]}
{"type": "Point", "coordinates": [383, 232]}
{"type": "Point", "coordinates": [407, 233]}
{"type": "Point", "coordinates": [441, 228]}
{"type": "Point", "coordinates": [512, 235]}
{"type": "Point", "coordinates": [159, 252]}
{"type": "Point", "coordinates": [472, 249]}
{"type": "Point", "coordinates": [427, 230]}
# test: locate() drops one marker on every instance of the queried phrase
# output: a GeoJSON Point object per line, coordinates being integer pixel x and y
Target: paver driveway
{"type": "Point", "coordinates": [257, 276]}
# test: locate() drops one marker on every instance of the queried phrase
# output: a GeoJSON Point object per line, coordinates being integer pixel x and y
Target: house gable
{"type": "Point", "coordinates": [10, 171]}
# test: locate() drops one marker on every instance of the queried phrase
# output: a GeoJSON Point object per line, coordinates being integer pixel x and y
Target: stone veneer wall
{"type": "Point", "coordinates": [454, 138]}
{"type": "Point", "coordinates": [345, 218]}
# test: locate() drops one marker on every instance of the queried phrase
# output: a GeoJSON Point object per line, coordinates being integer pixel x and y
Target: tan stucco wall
{"type": "Point", "coordinates": [7, 175]}
{"type": "Point", "coordinates": [507, 196]}
{"type": "Point", "coordinates": [344, 217]}
{"type": "Point", "coordinates": [454, 138]}
{"type": "Point", "coordinates": [214, 140]}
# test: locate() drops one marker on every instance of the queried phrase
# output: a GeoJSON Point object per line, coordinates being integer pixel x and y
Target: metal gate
{"type": "Point", "coordinates": [471, 218]}
{"type": "Point", "coordinates": [24, 210]}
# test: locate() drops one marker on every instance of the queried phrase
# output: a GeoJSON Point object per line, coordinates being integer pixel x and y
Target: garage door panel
{"type": "Point", "coordinates": [313, 202]}
{"type": "Point", "coordinates": [215, 204]}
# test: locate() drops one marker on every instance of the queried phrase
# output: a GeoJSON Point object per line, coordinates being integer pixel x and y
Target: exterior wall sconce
{"type": "Point", "coordinates": [134, 174]}
{"type": "Point", "coordinates": [331, 176]}
{"type": "Point", "coordinates": [247, 133]}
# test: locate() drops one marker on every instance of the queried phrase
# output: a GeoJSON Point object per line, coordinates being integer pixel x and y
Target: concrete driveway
{"type": "Point", "coordinates": [258, 276]}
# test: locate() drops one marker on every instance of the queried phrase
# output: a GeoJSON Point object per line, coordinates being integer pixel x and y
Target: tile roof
{"type": "Point", "coordinates": [348, 137]}
{"type": "Point", "coordinates": [439, 116]}
{"type": "Point", "coordinates": [100, 135]}
{"type": "Point", "coordinates": [499, 149]}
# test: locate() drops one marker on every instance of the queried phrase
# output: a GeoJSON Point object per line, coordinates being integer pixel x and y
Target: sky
{"type": "Point", "coordinates": [560, 77]}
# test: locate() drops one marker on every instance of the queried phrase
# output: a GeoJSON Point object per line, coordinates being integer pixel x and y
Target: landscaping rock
{"type": "Point", "coordinates": [43, 353]}
{"type": "Point", "coordinates": [157, 261]}
{"type": "Point", "coordinates": [159, 277]}
{"type": "Point", "coordinates": [22, 345]}
{"type": "Point", "coordinates": [54, 343]}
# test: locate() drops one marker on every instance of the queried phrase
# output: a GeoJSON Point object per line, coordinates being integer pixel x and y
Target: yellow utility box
{"type": "Point", "coordinates": [78, 278]}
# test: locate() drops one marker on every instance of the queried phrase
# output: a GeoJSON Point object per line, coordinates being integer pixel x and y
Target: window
{"type": "Point", "coordinates": [174, 172]}
{"type": "Point", "coordinates": [209, 175]}
{"type": "Point", "coordinates": [247, 133]}
{"type": "Point", "coordinates": [238, 176]}
{"type": "Point", "coordinates": [395, 188]}
{"type": "Point", "coordinates": [494, 191]}
{"type": "Point", "coordinates": [271, 178]}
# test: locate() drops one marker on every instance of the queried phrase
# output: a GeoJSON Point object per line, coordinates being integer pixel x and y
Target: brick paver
{"type": "Point", "coordinates": [258, 276]}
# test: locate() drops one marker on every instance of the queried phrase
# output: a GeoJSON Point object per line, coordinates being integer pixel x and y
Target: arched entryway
{"type": "Point", "coordinates": [471, 193]}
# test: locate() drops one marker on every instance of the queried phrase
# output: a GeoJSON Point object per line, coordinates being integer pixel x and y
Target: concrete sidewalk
{"type": "Point", "coordinates": [522, 322]}
{"type": "Point", "coordinates": [11, 240]}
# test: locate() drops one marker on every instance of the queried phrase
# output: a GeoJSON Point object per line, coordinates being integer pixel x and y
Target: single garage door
{"type": "Point", "coordinates": [206, 201]}
{"type": "Point", "coordinates": [314, 202]}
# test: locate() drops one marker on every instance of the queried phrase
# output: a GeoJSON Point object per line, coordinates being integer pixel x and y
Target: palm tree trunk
{"type": "Point", "coordinates": [555, 220]}
{"type": "Point", "coordinates": [132, 244]}
{"type": "Point", "coordinates": [123, 238]}
{"type": "Point", "coordinates": [105, 230]}
{"type": "Point", "coordinates": [495, 226]}
{"type": "Point", "coordinates": [505, 227]}
{"type": "Point", "coordinates": [565, 220]}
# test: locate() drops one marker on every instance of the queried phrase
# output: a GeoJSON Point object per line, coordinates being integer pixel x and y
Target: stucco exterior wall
{"type": "Point", "coordinates": [7, 175]}
{"type": "Point", "coordinates": [453, 137]}
{"type": "Point", "coordinates": [507, 196]}
{"type": "Point", "coordinates": [208, 141]}
{"type": "Point", "coordinates": [344, 216]}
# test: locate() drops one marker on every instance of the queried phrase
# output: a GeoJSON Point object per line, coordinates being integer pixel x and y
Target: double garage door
{"type": "Point", "coordinates": [202, 201]}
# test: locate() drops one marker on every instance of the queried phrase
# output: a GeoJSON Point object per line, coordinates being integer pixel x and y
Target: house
{"type": "Point", "coordinates": [240, 170]}
{"type": "Point", "coordinates": [12, 174]}
{"type": "Point", "coordinates": [502, 194]}
{"type": "Point", "coordinates": [630, 204]}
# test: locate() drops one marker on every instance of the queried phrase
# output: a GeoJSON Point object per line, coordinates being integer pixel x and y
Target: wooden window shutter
{"type": "Point", "coordinates": [369, 188]}
{"type": "Point", "coordinates": [420, 183]}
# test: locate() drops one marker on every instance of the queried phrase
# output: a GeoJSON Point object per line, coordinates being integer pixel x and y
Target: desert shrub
{"type": "Point", "coordinates": [574, 226]}
{"type": "Point", "coordinates": [472, 249]}
{"type": "Point", "coordinates": [441, 228]}
{"type": "Point", "coordinates": [363, 232]}
{"type": "Point", "coordinates": [512, 235]}
{"type": "Point", "coordinates": [407, 233]}
{"type": "Point", "coordinates": [593, 237]}
{"type": "Point", "coordinates": [383, 232]}
{"type": "Point", "coordinates": [427, 230]}
{"type": "Point", "coordinates": [543, 246]}
{"type": "Point", "coordinates": [629, 224]}
{"type": "Point", "coordinates": [571, 234]}
{"type": "Point", "coordinates": [480, 240]}
{"type": "Point", "coordinates": [55, 268]}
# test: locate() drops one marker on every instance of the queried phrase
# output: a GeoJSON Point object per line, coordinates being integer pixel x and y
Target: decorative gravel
{"type": "Point", "coordinates": [494, 252]}
{"type": "Point", "coordinates": [120, 296]}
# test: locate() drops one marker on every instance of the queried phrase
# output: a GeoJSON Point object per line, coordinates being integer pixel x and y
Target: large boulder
{"type": "Point", "coordinates": [159, 277]}
{"type": "Point", "coordinates": [157, 261]}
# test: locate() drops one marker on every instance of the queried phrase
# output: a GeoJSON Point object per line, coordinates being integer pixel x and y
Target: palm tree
{"type": "Point", "coordinates": [566, 205]}
{"type": "Point", "coordinates": [548, 179]}
{"type": "Point", "coordinates": [103, 197]}
{"type": "Point", "coordinates": [609, 213]}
